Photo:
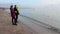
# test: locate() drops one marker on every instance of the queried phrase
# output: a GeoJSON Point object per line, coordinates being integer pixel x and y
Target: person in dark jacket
{"type": "Point", "coordinates": [16, 12]}
{"type": "Point", "coordinates": [12, 14]}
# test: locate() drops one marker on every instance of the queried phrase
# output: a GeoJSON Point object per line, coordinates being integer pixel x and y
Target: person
{"type": "Point", "coordinates": [12, 14]}
{"type": "Point", "coordinates": [17, 13]}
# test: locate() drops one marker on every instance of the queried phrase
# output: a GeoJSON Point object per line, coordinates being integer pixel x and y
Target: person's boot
{"type": "Point", "coordinates": [15, 24]}
{"type": "Point", "coordinates": [12, 23]}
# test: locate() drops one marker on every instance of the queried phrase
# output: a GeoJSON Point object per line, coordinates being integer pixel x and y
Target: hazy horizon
{"type": "Point", "coordinates": [30, 3]}
{"type": "Point", "coordinates": [47, 11]}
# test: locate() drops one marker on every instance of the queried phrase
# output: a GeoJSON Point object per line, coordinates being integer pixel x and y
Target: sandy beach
{"type": "Point", "coordinates": [6, 26]}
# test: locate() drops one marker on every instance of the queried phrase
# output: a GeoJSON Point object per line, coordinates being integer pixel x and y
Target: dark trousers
{"type": "Point", "coordinates": [16, 18]}
{"type": "Point", "coordinates": [13, 20]}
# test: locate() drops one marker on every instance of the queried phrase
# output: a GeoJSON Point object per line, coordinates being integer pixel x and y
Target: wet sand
{"type": "Point", "coordinates": [6, 26]}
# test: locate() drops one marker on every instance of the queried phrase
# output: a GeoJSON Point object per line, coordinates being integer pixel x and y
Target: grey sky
{"type": "Point", "coordinates": [31, 2]}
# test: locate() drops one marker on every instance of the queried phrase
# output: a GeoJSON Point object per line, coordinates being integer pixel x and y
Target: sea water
{"type": "Point", "coordinates": [48, 14]}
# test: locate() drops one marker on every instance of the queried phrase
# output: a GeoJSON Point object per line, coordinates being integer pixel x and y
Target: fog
{"type": "Point", "coordinates": [46, 11]}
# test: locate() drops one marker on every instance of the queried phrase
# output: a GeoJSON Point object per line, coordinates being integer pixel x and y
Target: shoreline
{"type": "Point", "coordinates": [8, 28]}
